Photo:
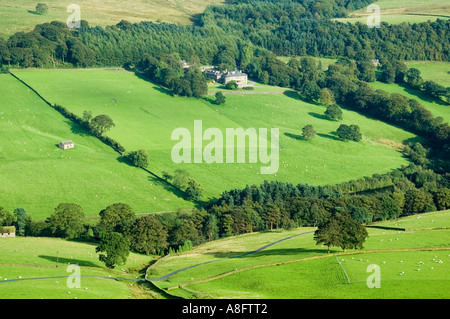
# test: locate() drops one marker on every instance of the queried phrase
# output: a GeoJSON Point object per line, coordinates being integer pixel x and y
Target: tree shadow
{"type": "Point", "coordinates": [196, 19]}
{"type": "Point", "coordinates": [331, 136]}
{"type": "Point", "coordinates": [294, 95]}
{"type": "Point", "coordinates": [77, 129]}
{"type": "Point", "coordinates": [421, 95]}
{"type": "Point", "coordinates": [157, 87]}
{"type": "Point", "coordinates": [160, 182]}
{"type": "Point", "coordinates": [268, 252]}
{"type": "Point", "coordinates": [63, 262]}
{"type": "Point", "coordinates": [295, 136]}
{"type": "Point", "coordinates": [319, 116]}
{"type": "Point", "coordinates": [34, 12]}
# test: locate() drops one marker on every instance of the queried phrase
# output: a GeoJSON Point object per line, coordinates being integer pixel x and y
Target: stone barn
{"type": "Point", "coordinates": [8, 231]}
{"type": "Point", "coordinates": [65, 145]}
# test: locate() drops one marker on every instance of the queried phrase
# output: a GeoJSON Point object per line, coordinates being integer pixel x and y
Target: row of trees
{"type": "Point", "coordinates": [227, 37]}
{"type": "Point", "coordinates": [166, 70]}
{"type": "Point", "coordinates": [96, 126]}
{"type": "Point", "coordinates": [398, 72]}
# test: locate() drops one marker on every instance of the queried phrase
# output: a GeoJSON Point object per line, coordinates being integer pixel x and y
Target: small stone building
{"type": "Point", "coordinates": [65, 145]}
{"type": "Point", "coordinates": [8, 231]}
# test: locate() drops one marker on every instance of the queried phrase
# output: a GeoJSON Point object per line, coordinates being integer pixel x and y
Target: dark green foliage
{"type": "Point", "coordinates": [148, 236]}
{"type": "Point", "coordinates": [353, 233]}
{"type": "Point", "coordinates": [116, 218]}
{"type": "Point", "coordinates": [138, 158]}
{"type": "Point", "coordinates": [442, 198]}
{"type": "Point", "coordinates": [416, 201]}
{"type": "Point", "coordinates": [114, 249]}
{"type": "Point", "coordinates": [6, 218]}
{"type": "Point", "coordinates": [329, 234]}
{"type": "Point", "coordinates": [41, 8]}
{"type": "Point", "coordinates": [334, 113]}
{"type": "Point", "coordinates": [102, 123]}
{"type": "Point", "coordinates": [220, 98]}
{"type": "Point", "coordinates": [349, 132]}
{"type": "Point", "coordinates": [308, 132]}
{"type": "Point", "coordinates": [193, 190]}
{"type": "Point", "coordinates": [310, 91]}
{"type": "Point", "coordinates": [232, 85]}
{"type": "Point", "coordinates": [21, 221]}
{"type": "Point", "coordinates": [66, 221]}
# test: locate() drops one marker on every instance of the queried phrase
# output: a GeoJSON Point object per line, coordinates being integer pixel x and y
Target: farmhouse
{"type": "Point", "coordinates": [65, 145]}
{"type": "Point", "coordinates": [240, 78]}
{"type": "Point", "coordinates": [9, 231]}
{"type": "Point", "coordinates": [225, 77]}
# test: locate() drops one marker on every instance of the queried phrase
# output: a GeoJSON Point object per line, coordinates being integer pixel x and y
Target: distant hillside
{"type": "Point", "coordinates": [21, 15]}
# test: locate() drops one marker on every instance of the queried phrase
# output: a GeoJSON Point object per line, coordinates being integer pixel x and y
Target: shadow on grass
{"type": "Point", "coordinates": [77, 129]}
{"type": "Point", "coordinates": [295, 136]}
{"type": "Point", "coordinates": [294, 95]}
{"type": "Point", "coordinates": [269, 252]}
{"type": "Point", "coordinates": [331, 136]}
{"type": "Point", "coordinates": [421, 95]}
{"type": "Point", "coordinates": [63, 262]}
{"type": "Point", "coordinates": [36, 13]}
{"type": "Point", "coordinates": [319, 116]}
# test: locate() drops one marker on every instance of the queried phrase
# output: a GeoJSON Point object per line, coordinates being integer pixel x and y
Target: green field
{"type": "Point", "coordinates": [37, 175]}
{"type": "Point", "coordinates": [437, 108]}
{"type": "Point", "coordinates": [20, 15]}
{"type": "Point", "coordinates": [310, 271]}
{"type": "Point", "coordinates": [145, 117]}
{"type": "Point", "coordinates": [399, 11]}
{"type": "Point", "coordinates": [438, 72]}
{"type": "Point", "coordinates": [27, 259]}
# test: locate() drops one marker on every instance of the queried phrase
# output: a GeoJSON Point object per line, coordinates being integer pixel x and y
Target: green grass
{"type": "Point", "coordinates": [324, 278]}
{"type": "Point", "coordinates": [20, 16]}
{"type": "Point", "coordinates": [145, 118]}
{"type": "Point", "coordinates": [25, 258]}
{"type": "Point", "coordinates": [318, 275]}
{"type": "Point", "coordinates": [37, 176]}
{"type": "Point", "coordinates": [427, 220]}
{"type": "Point", "coordinates": [437, 108]}
{"type": "Point", "coordinates": [438, 72]}
{"type": "Point", "coordinates": [399, 11]}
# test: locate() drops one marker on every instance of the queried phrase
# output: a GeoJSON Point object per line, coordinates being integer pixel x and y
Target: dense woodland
{"type": "Point", "coordinates": [248, 35]}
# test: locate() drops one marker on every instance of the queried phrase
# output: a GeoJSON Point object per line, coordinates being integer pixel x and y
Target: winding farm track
{"type": "Point", "coordinates": [240, 256]}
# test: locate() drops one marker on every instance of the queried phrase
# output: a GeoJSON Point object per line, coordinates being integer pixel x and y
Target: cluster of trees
{"type": "Point", "coordinates": [335, 210]}
{"type": "Point", "coordinates": [341, 231]}
{"type": "Point", "coordinates": [228, 36]}
{"type": "Point", "coordinates": [167, 70]}
{"type": "Point", "coordinates": [292, 29]}
{"type": "Point", "coordinates": [398, 72]}
{"type": "Point", "coordinates": [96, 126]}
{"type": "Point", "coordinates": [182, 181]}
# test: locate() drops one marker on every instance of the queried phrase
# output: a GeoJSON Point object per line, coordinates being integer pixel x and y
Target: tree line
{"type": "Point", "coordinates": [228, 34]}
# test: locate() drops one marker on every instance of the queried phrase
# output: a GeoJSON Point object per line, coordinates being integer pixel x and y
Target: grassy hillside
{"type": "Point", "coordinates": [398, 11]}
{"type": "Point", "coordinates": [37, 175]}
{"type": "Point", "coordinates": [26, 259]}
{"type": "Point", "coordinates": [435, 107]}
{"type": "Point", "coordinates": [438, 72]}
{"type": "Point", "coordinates": [145, 118]}
{"type": "Point", "coordinates": [310, 271]}
{"type": "Point", "coordinates": [20, 15]}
